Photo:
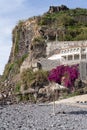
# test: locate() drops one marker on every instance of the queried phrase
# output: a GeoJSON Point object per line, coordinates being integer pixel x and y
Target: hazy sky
{"type": "Point", "coordinates": [11, 11]}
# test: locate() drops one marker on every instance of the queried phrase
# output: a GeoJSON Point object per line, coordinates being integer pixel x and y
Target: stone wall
{"type": "Point", "coordinates": [58, 45]}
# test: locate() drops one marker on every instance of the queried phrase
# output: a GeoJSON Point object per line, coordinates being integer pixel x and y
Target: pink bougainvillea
{"type": "Point", "coordinates": [65, 75]}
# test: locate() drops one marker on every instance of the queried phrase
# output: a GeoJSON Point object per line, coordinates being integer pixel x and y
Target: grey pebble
{"type": "Point", "coordinates": [37, 117]}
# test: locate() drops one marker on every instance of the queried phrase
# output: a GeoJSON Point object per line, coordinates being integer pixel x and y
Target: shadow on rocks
{"type": "Point", "coordinates": [78, 112]}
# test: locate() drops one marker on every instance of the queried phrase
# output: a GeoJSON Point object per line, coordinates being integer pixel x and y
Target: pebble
{"type": "Point", "coordinates": [37, 117]}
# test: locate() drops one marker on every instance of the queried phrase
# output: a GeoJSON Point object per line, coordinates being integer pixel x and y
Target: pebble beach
{"type": "Point", "coordinates": [41, 117]}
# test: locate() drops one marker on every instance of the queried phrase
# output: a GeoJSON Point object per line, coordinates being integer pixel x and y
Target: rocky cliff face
{"type": "Point", "coordinates": [28, 45]}
{"type": "Point", "coordinates": [23, 34]}
{"type": "Point", "coordinates": [27, 42]}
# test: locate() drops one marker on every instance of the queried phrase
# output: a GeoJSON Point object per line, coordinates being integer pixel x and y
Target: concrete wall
{"type": "Point", "coordinates": [63, 44]}
{"type": "Point", "coordinates": [83, 70]}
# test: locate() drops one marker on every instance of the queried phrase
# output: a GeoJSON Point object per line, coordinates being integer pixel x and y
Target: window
{"type": "Point", "coordinates": [76, 57]}
{"type": "Point", "coordinates": [64, 57]}
{"type": "Point", "coordinates": [77, 49]}
{"type": "Point", "coordinates": [83, 49]}
{"type": "Point", "coordinates": [70, 57]}
{"type": "Point", "coordinates": [74, 49]}
{"type": "Point", "coordinates": [83, 56]}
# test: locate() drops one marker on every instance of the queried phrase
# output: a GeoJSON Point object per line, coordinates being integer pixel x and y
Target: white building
{"type": "Point", "coordinates": [71, 53]}
{"type": "Point", "coordinates": [74, 55]}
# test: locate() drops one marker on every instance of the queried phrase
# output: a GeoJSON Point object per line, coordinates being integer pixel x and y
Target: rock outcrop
{"type": "Point", "coordinates": [54, 9]}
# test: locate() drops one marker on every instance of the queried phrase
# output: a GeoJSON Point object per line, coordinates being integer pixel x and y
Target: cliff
{"type": "Point", "coordinates": [28, 45]}
{"type": "Point", "coordinates": [30, 37]}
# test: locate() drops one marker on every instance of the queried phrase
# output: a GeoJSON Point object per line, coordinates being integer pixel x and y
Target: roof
{"type": "Point", "coordinates": [55, 57]}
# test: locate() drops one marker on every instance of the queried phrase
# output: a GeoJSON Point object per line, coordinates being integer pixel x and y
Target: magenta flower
{"type": "Point", "coordinates": [69, 73]}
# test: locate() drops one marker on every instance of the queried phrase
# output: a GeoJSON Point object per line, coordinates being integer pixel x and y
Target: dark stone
{"type": "Point", "coordinates": [54, 9]}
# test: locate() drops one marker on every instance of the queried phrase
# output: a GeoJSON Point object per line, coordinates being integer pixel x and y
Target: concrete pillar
{"type": "Point", "coordinates": [73, 57]}
{"type": "Point", "coordinates": [80, 56]}
{"type": "Point", "coordinates": [67, 58]}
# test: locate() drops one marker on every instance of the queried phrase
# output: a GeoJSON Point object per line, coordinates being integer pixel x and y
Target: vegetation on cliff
{"type": "Point", "coordinates": [11, 69]}
{"type": "Point", "coordinates": [70, 24]}
{"type": "Point", "coordinates": [34, 79]}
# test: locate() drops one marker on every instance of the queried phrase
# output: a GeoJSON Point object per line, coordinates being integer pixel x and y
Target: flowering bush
{"type": "Point", "coordinates": [65, 75]}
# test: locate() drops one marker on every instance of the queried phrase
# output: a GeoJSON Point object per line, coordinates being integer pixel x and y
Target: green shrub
{"type": "Point", "coordinates": [13, 68]}
{"type": "Point", "coordinates": [20, 23]}
{"type": "Point", "coordinates": [17, 88]}
{"type": "Point", "coordinates": [21, 59]}
{"type": "Point", "coordinates": [30, 78]}
{"type": "Point", "coordinates": [17, 37]}
{"type": "Point", "coordinates": [38, 40]}
{"type": "Point", "coordinates": [45, 20]}
{"type": "Point", "coordinates": [8, 68]}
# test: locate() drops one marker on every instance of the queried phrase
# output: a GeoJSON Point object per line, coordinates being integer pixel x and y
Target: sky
{"type": "Point", "coordinates": [11, 11]}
